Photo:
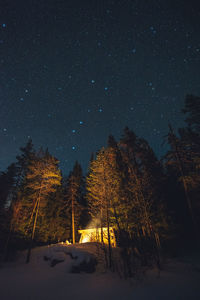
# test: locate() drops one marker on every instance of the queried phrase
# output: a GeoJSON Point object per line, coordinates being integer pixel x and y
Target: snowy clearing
{"type": "Point", "coordinates": [38, 280]}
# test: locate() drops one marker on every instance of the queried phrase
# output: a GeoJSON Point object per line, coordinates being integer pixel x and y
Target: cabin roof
{"type": "Point", "coordinates": [93, 228]}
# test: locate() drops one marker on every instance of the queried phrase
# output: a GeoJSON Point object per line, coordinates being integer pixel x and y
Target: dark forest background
{"type": "Point", "coordinates": [152, 203]}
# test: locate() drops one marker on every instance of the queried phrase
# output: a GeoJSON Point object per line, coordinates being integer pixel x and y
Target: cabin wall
{"type": "Point", "coordinates": [94, 235]}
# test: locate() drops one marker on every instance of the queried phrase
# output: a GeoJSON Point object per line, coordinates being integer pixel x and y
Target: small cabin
{"type": "Point", "coordinates": [94, 235]}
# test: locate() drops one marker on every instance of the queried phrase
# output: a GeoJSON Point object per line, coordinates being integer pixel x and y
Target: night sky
{"type": "Point", "coordinates": [73, 72]}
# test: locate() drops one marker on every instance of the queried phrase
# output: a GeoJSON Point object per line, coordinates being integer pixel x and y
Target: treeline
{"type": "Point", "coordinates": [151, 203]}
{"type": "Point", "coordinates": [36, 201]}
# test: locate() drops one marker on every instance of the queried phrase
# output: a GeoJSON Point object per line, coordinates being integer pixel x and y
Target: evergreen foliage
{"type": "Point", "coordinates": [145, 200]}
{"type": "Point", "coordinates": [192, 111]}
{"type": "Point", "coordinates": [182, 162]}
{"type": "Point", "coordinates": [41, 180]}
{"type": "Point", "coordinates": [75, 198]}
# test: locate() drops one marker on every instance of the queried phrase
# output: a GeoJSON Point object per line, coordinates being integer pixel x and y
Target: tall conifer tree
{"type": "Point", "coordinates": [75, 190]}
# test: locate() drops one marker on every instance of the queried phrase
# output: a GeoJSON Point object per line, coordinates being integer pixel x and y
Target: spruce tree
{"type": "Point", "coordinates": [180, 159]}
{"type": "Point", "coordinates": [54, 223]}
{"type": "Point", "coordinates": [40, 181]}
{"type": "Point", "coordinates": [142, 190]}
{"type": "Point", "coordinates": [183, 157]}
{"type": "Point", "coordinates": [192, 111]}
{"type": "Point", "coordinates": [7, 190]}
{"type": "Point", "coordinates": [74, 195]}
{"type": "Point", "coordinates": [103, 183]}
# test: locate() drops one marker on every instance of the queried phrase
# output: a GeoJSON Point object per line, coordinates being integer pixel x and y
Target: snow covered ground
{"type": "Point", "coordinates": [39, 281]}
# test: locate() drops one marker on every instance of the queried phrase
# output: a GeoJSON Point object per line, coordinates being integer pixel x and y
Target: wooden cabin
{"type": "Point", "coordinates": [94, 235]}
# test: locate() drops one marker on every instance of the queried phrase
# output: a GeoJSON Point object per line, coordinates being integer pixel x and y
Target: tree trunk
{"type": "Point", "coordinates": [102, 240]}
{"type": "Point", "coordinates": [109, 244]}
{"type": "Point", "coordinates": [33, 231]}
{"type": "Point", "coordinates": [73, 226]}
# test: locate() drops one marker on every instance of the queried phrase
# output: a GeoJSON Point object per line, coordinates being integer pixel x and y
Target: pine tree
{"type": "Point", "coordinates": [19, 201]}
{"type": "Point", "coordinates": [7, 185]}
{"type": "Point", "coordinates": [7, 193]}
{"type": "Point", "coordinates": [184, 154]}
{"type": "Point", "coordinates": [23, 161]}
{"type": "Point", "coordinates": [140, 206]}
{"type": "Point", "coordinates": [192, 110]}
{"type": "Point", "coordinates": [103, 183]}
{"type": "Point", "coordinates": [54, 224]}
{"type": "Point", "coordinates": [190, 139]}
{"type": "Point", "coordinates": [180, 158]}
{"type": "Point", "coordinates": [143, 178]}
{"type": "Point", "coordinates": [119, 204]}
{"type": "Point", "coordinates": [75, 189]}
{"type": "Point", "coordinates": [18, 189]}
{"type": "Point", "coordinates": [41, 180]}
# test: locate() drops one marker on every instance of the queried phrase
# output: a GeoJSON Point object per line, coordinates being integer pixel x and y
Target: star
{"type": "Point", "coordinates": [104, 76]}
{"type": "Point", "coordinates": [152, 29]}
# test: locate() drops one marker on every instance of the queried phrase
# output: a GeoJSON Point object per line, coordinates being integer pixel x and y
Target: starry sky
{"type": "Point", "coordinates": [72, 72]}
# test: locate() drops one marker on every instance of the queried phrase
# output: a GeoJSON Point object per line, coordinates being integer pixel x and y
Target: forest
{"type": "Point", "coordinates": [153, 204]}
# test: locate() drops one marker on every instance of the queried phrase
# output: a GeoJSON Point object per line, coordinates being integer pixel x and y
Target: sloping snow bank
{"type": "Point", "coordinates": [180, 280]}
{"type": "Point", "coordinates": [61, 256]}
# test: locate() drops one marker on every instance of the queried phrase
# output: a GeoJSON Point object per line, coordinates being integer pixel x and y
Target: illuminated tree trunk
{"type": "Point", "coordinates": [102, 240]}
{"type": "Point", "coordinates": [107, 206]}
{"type": "Point", "coordinates": [34, 226]}
{"type": "Point", "coordinates": [109, 244]}
{"type": "Point", "coordinates": [42, 177]}
{"type": "Point", "coordinates": [75, 183]}
{"type": "Point", "coordinates": [101, 225]}
{"type": "Point", "coordinates": [101, 185]}
{"type": "Point", "coordinates": [73, 226]}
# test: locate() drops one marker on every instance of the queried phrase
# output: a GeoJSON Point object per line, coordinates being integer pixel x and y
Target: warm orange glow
{"type": "Point", "coordinates": [86, 239]}
{"type": "Point", "coordinates": [94, 235]}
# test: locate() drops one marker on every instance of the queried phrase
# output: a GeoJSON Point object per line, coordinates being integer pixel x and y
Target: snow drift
{"type": "Point", "coordinates": [49, 277]}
